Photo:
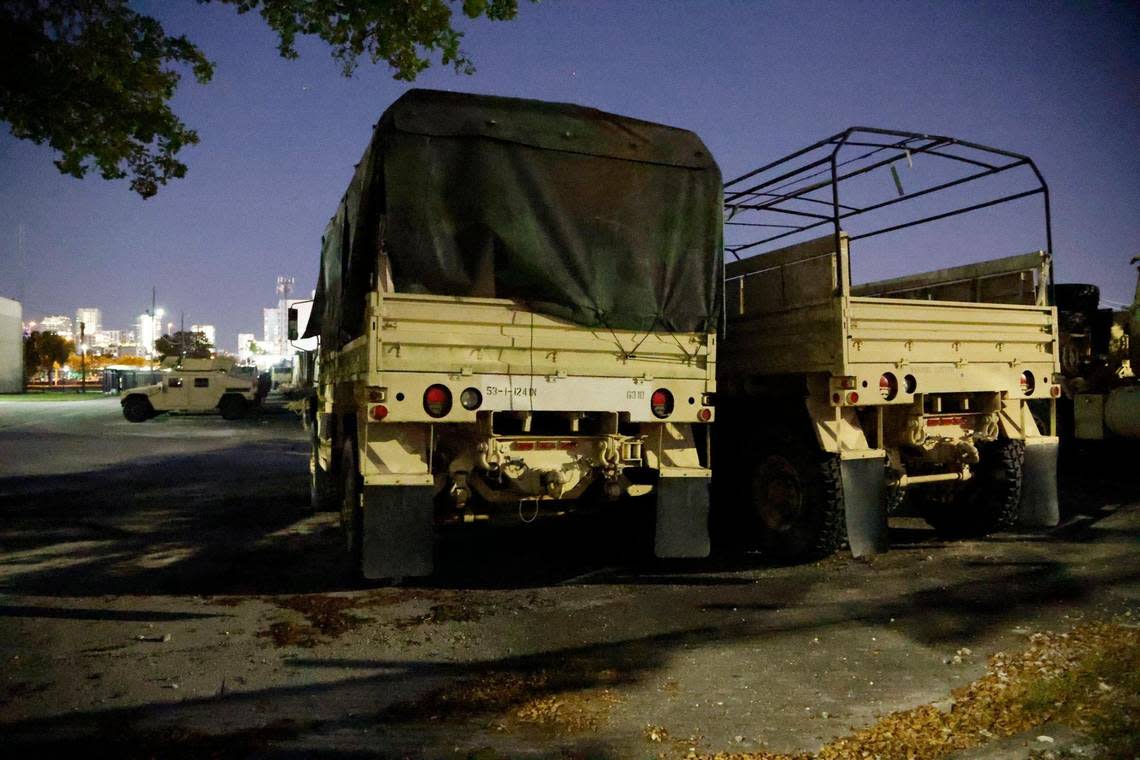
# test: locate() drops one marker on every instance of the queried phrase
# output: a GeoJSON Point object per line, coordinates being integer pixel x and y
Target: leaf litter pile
{"type": "Point", "coordinates": [555, 703]}
{"type": "Point", "coordinates": [1088, 679]}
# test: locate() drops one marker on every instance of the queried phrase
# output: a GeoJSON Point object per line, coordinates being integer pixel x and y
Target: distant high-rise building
{"type": "Point", "coordinates": [91, 318]}
{"type": "Point", "coordinates": [58, 324]}
{"type": "Point", "coordinates": [271, 323]}
{"type": "Point", "coordinates": [148, 329]}
{"type": "Point", "coordinates": [208, 331]}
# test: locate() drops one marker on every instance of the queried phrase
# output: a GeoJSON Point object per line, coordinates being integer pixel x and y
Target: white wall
{"type": "Point", "coordinates": [11, 347]}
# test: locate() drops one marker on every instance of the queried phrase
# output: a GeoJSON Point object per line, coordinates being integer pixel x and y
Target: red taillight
{"type": "Point", "coordinates": [852, 398]}
{"type": "Point", "coordinates": [661, 402]}
{"type": "Point", "coordinates": [704, 415]}
{"type": "Point", "coordinates": [437, 400]}
{"type": "Point", "coordinates": [888, 386]}
{"type": "Point", "coordinates": [566, 445]}
{"type": "Point", "coordinates": [378, 412]}
{"type": "Point", "coordinates": [523, 446]}
{"type": "Point", "coordinates": [1055, 391]}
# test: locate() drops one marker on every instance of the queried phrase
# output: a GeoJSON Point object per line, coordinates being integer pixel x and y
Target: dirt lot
{"type": "Point", "coordinates": [164, 593]}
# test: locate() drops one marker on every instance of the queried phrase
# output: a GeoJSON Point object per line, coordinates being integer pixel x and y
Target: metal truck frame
{"type": "Point", "coordinates": [456, 409]}
{"type": "Point", "coordinates": [1100, 380]}
{"type": "Point", "coordinates": [835, 401]}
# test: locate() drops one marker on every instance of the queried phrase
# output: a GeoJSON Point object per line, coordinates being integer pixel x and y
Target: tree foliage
{"type": "Point", "coordinates": [94, 78]}
{"type": "Point", "coordinates": [401, 33]}
{"type": "Point", "coordinates": [184, 343]}
{"type": "Point", "coordinates": [44, 350]}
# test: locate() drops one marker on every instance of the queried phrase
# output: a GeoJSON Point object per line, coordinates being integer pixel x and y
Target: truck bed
{"type": "Point", "coordinates": [795, 318]}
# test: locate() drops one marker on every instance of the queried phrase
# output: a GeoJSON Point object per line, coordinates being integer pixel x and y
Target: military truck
{"type": "Point", "coordinates": [837, 402]}
{"type": "Point", "coordinates": [517, 309]}
{"type": "Point", "coordinates": [1100, 364]}
{"type": "Point", "coordinates": [190, 386]}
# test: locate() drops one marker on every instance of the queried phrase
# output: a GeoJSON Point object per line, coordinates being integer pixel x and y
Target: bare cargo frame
{"type": "Point", "coordinates": [874, 364]}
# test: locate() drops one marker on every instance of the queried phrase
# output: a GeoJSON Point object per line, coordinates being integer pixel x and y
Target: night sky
{"type": "Point", "coordinates": [1059, 82]}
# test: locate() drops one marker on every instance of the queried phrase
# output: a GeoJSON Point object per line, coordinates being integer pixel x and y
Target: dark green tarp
{"type": "Point", "coordinates": [600, 219]}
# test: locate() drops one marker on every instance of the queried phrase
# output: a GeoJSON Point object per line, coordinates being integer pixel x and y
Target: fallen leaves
{"type": "Point", "coordinates": [1088, 678]}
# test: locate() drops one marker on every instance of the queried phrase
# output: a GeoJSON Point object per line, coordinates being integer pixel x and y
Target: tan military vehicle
{"type": "Point", "coordinates": [192, 386]}
{"type": "Point", "coordinates": [516, 307]}
{"type": "Point", "coordinates": [837, 400]}
{"type": "Point", "coordinates": [1100, 377]}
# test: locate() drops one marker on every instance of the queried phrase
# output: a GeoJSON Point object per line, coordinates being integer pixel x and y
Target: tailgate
{"type": "Point", "coordinates": [426, 333]}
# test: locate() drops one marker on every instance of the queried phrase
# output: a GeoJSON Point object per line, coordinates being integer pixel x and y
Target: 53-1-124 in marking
{"type": "Point", "coordinates": [519, 391]}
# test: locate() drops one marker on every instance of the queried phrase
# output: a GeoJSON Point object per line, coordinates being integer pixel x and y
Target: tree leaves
{"type": "Point", "coordinates": [190, 344]}
{"type": "Point", "coordinates": [93, 79]}
{"type": "Point", "coordinates": [401, 33]}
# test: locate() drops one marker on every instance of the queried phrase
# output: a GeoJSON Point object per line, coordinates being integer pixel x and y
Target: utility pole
{"type": "Point", "coordinates": [82, 357]}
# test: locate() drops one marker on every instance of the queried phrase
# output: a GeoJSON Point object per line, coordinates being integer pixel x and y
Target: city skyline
{"type": "Point", "coordinates": [98, 332]}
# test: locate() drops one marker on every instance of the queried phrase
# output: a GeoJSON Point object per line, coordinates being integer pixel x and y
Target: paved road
{"type": "Point", "coordinates": [164, 583]}
{"type": "Point", "coordinates": [54, 437]}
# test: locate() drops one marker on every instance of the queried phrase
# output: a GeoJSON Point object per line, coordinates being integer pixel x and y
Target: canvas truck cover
{"type": "Point", "coordinates": [603, 220]}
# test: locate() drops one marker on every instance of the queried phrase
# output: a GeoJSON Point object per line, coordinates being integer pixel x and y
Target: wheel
{"type": "Point", "coordinates": [233, 407]}
{"type": "Point", "coordinates": [986, 503]}
{"type": "Point", "coordinates": [137, 409]}
{"type": "Point", "coordinates": [352, 512]}
{"type": "Point", "coordinates": [796, 499]}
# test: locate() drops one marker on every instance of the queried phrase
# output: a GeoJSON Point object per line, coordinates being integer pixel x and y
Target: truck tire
{"type": "Point", "coordinates": [352, 512]}
{"type": "Point", "coordinates": [233, 407]}
{"type": "Point", "coordinates": [796, 501]}
{"type": "Point", "coordinates": [986, 503]}
{"type": "Point", "coordinates": [137, 409]}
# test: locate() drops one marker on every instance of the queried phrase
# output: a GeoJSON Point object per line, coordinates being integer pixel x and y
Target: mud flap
{"type": "Point", "coordinates": [865, 505]}
{"type": "Point", "coordinates": [682, 518]}
{"type": "Point", "coordinates": [398, 532]}
{"type": "Point", "coordinates": [1039, 507]}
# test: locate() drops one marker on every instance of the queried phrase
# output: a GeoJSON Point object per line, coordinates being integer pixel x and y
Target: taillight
{"type": "Point", "coordinates": [378, 412]}
{"type": "Point", "coordinates": [437, 400]}
{"type": "Point", "coordinates": [1027, 383]}
{"type": "Point", "coordinates": [852, 398]}
{"type": "Point", "coordinates": [888, 386]}
{"type": "Point", "coordinates": [661, 402]}
{"type": "Point", "coordinates": [704, 415]}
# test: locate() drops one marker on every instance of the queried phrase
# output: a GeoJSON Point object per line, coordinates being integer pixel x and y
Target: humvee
{"type": "Point", "coordinates": [195, 386]}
